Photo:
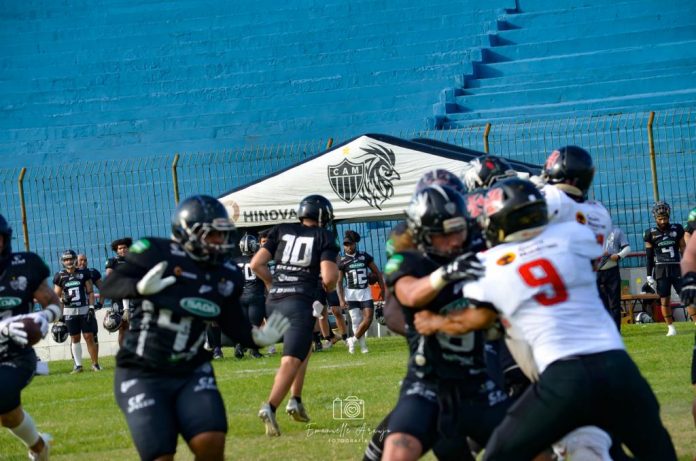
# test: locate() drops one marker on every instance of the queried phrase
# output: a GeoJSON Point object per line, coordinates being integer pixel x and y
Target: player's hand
{"type": "Point", "coordinates": [428, 323]}
{"type": "Point", "coordinates": [41, 320]}
{"type": "Point", "coordinates": [317, 309]}
{"type": "Point", "coordinates": [688, 290]}
{"type": "Point", "coordinates": [464, 267]}
{"type": "Point", "coordinates": [13, 330]}
{"type": "Point", "coordinates": [274, 329]}
{"type": "Point", "coordinates": [153, 282]}
{"type": "Point", "coordinates": [125, 317]}
{"type": "Point", "coordinates": [651, 282]}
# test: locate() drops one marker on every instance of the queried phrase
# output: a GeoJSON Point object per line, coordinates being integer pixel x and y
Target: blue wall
{"type": "Point", "coordinates": [113, 78]}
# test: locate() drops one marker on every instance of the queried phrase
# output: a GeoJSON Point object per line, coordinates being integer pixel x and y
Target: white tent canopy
{"type": "Point", "coordinates": [370, 177]}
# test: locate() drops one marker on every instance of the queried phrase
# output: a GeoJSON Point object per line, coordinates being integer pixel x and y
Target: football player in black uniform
{"type": "Point", "coordinates": [664, 243]}
{"type": "Point", "coordinates": [302, 252]}
{"type": "Point", "coordinates": [74, 287]}
{"type": "Point", "coordinates": [355, 267]}
{"type": "Point", "coordinates": [120, 306]}
{"type": "Point", "coordinates": [447, 394]}
{"type": "Point", "coordinates": [164, 382]}
{"type": "Point", "coordinates": [22, 279]}
{"type": "Point", "coordinates": [96, 277]}
{"type": "Point", "coordinates": [688, 298]}
{"type": "Point", "coordinates": [253, 298]}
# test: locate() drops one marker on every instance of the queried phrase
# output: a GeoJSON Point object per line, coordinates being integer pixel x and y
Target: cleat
{"type": "Point", "coordinates": [255, 354]}
{"type": "Point", "coordinates": [297, 411]}
{"type": "Point", "coordinates": [363, 345]}
{"type": "Point", "coordinates": [217, 353]}
{"type": "Point", "coordinates": [76, 370]}
{"type": "Point", "coordinates": [239, 351]}
{"type": "Point", "coordinates": [45, 452]}
{"type": "Point", "coordinates": [96, 367]}
{"type": "Point", "coordinates": [271, 350]}
{"type": "Point", "coordinates": [269, 419]}
{"type": "Point", "coordinates": [671, 331]}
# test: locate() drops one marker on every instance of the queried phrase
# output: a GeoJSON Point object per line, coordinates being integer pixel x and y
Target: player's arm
{"type": "Point", "coordinates": [339, 289]}
{"type": "Point", "coordinates": [259, 265]}
{"type": "Point", "coordinates": [50, 302]}
{"type": "Point", "coordinates": [89, 289]}
{"type": "Point", "coordinates": [455, 323]}
{"type": "Point", "coordinates": [329, 275]}
{"type": "Point", "coordinates": [649, 254]}
{"type": "Point", "coordinates": [380, 280]}
{"type": "Point", "coordinates": [394, 316]}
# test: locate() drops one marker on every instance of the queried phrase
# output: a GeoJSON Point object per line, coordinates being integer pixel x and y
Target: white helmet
{"type": "Point", "coordinates": [643, 317]}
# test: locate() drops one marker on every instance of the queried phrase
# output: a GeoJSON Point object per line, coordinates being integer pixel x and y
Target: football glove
{"type": "Point", "coordinates": [125, 316]}
{"type": "Point", "coordinates": [317, 309]}
{"type": "Point", "coordinates": [13, 330]}
{"type": "Point", "coordinates": [651, 282]}
{"type": "Point", "coordinates": [40, 319]}
{"type": "Point", "coordinates": [688, 290]}
{"type": "Point", "coordinates": [464, 267]}
{"type": "Point", "coordinates": [152, 282]}
{"type": "Point", "coordinates": [274, 329]}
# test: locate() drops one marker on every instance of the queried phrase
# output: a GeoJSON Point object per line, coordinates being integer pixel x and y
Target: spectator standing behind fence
{"type": "Point", "coordinates": [96, 277]}
{"type": "Point", "coordinates": [120, 306]}
{"type": "Point", "coordinates": [608, 276]}
{"type": "Point", "coordinates": [664, 243]}
{"type": "Point", "coordinates": [74, 288]}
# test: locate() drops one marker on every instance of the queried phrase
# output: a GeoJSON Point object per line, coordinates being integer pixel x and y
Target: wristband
{"type": "Point", "coordinates": [51, 313]}
{"type": "Point", "coordinates": [437, 279]}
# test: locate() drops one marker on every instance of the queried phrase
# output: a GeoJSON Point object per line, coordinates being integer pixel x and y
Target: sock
{"type": "Point", "coordinates": [77, 353]}
{"type": "Point", "coordinates": [317, 336]}
{"type": "Point", "coordinates": [26, 431]}
{"type": "Point", "coordinates": [273, 408]}
{"type": "Point", "coordinates": [362, 341]}
{"type": "Point", "coordinates": [297, 399]}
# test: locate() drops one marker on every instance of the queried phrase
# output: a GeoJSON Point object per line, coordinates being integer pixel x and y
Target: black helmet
{"type": "Point", "coordinates": [6, 232]}
{"type": "Point", "coordinates": [112, 321]}
{"type": "Point", "coordinates": [435, 210]}
{"type": "Point", "coordinates": [570, 166]}
{"type": "Point", "coordinates": [511, 206]}
{"type": "Point", "coordinates": [59, 332]}
{"type": "Point", "coordinates": [248, 244]}
{"type": "Point", "coordinates": [442, 177]}
{"type": "Point", "coordinates": [661, 208]}
{"type": "Point", "coordinates": [486, 170]}
{"type": "Point", "coordinates": [318, 208]}
{"type": "Point", "coordinates": [194, 219]}
{"type": "Point", "coordinates": [68, 255]}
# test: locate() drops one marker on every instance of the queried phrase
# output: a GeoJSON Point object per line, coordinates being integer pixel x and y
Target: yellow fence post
{"type": "Point", "coordinates": [486, 132]}
{"type": "Point", "coordinates": [175, 179]}
{"type": "Point", "coordinates": [22, 205]}
{"type": "Point", "coordinates": [653, 164]}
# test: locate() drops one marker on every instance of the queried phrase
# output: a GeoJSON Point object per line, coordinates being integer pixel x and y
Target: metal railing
{"type": "Point", "coordinates": [639, 157]}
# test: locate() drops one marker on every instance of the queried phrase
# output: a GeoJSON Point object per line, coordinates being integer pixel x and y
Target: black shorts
{"type": "Point", "coordinates": [332, 298]}
{"type": "Point", "coordinates": [159, 408]}
{"type": "Point", "coordinates": [92, 323]}
{"type": "Point", "coordinates": [15, 374]}
{"type": "Point", "coordinates": [370, 304]}
{"type": "Point", "coordinates": [78, 324]}
{"type": "Point", "coordinates": [254, 308]}
{"type": "Point", "coordinates": [448, 410]}
{"type": "Point", "coordinates": [590, 390]}
{"type": "Point", "coordinates": [665, 284]}
{"type": "Point", "coordinates": [298, 309]}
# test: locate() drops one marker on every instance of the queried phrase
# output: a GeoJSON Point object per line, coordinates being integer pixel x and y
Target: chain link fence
{"type": "Point", "coordinates": [86, 206]}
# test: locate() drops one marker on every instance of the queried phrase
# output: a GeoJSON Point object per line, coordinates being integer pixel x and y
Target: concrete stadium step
{"type": "Point", "coordinates": [571, 91]}
{"type": "Point", "coordinates": [600, 26]}
{"type": "Point", "coordinates": [588, 44]}
{"type": "Point", "coordinates": [540, 5]}
{"type": "Point", "coordinates": [572, 16]}
{"type": "Point", "coordinates": [629, 103]}
{"type": "Point", "coordinates": [610, 73]}
{"type": "Point", "coordinates": [618, 57]}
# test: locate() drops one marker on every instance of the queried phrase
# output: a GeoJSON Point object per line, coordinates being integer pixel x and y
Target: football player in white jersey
{"type": "Point", "coordinates": [550, 303]}
{"type": "Point", "coordinates": [568, 174]}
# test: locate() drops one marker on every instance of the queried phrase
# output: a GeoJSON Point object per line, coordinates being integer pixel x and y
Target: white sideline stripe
{"type": "Point", "coordinates": [268, 371]}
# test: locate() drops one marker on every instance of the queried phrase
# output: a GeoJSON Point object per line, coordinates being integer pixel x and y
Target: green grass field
{"type": "Point", "coordinates": [80, 412]}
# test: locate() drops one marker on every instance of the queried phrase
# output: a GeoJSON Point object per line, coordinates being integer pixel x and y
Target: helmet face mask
{"type": "Point", "coordinates": [248, 245]}
{"type": "Point", "coordinates": [202, 227]}
{"type": "Point", "coordinates": [318, 208]}
{"type": "Point", "coordinates": [68, 259]}
{"type": "Point", "coordinates": [485, 171]}
{"type": "Point", "coordinates": [436, 218]}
